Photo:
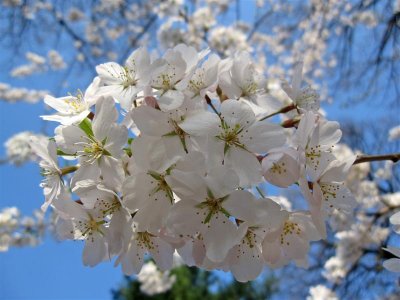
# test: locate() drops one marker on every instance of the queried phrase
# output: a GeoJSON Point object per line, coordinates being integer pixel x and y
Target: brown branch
{"type": "Point", "coordinates": [394, 157]}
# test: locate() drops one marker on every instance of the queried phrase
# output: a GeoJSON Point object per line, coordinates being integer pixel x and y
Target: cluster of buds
{"type": "Point", "coordinates": [183, 165]}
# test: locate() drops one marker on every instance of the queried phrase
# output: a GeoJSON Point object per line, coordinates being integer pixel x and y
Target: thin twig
{"type": "Point", "coordinates": [394, 157]}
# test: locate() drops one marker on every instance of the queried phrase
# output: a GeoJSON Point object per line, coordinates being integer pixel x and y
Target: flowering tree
{"type": "Point", "coordinates": [176, 152]}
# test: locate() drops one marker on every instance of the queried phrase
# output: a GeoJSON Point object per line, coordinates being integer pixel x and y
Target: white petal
{"type": "Point", "coordinates": [392, 265]}
{"type": "Point", "coordinates": [95, 250]}
{"type": "Point", "coordinates": [236, 112]}
{"type": "Point", "coordinates": [105, 115]}
{"type": "Point", "coordinates": [241, 205]}
{"type": "Point", "coordinates": [262, 137]}
{"type": "Point", "coordinates": [245, 164]}
{"type": "Point", "coordinates": [162, 254]}
{"type": "Point", "coordinates": [221, 236]}
{"type": "Point", "coordinates": [249, 264]}
{"type": "Point", "coordinates": [280, 169]}
{"type": "Point", "coordinates": [170, 100]}
{"type": "Point", "coordinates": [110, 73]}
{"type": "Point", "coordinates": [151, 121]}
{"type": "Point", "coordinates": [395, 251]}
{"type": "Point", "coordinates": [201, 123]}
{"type": "Point", "coordinates": [112, 171]}
{"type": "Point", "coordinates": [222, 180]}
{"type": "Point", "coordinates": [184, 218]}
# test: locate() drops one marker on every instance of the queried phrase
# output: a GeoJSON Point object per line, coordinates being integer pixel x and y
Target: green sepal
{"type": "Point", "coordinates": [155, 175]}
{"type": "Point", "coordinates": [208, 218]}
{"type": "Point", "coordinates": [105, 152]}
{"type": "Point", "coordinates": [172, 133]}
{"type": "Point", "coordinates": [226, 148]}
{"type": "Point", "coordinates": [225, 212]}
{"type": "Point", "coordinates": [128, 151]}
{"type": "Point", "coordinates": [210, 194]}
{"type": "Point", "coordinates": [62, 153]}
{"type": "Point", "coordinates": [86, 126]}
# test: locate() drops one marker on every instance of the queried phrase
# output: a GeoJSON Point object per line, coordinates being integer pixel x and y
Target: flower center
{"type": "Point", "coordinates": [289, 228]}
{"type": "Point", "coordinates": [144, 240]}
{"type": "Point", "coordinates": [92, 149]}
{"type": "Point", "coordinates": [128, 78]}
{"type": "Point", "coordinates": [76, 103]}
{"type": "Point", "coordinates": [213, 206]}
{"type": "Point", "coordinates": [161, 184]}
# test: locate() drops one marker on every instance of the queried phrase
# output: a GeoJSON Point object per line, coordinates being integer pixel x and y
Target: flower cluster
{"type": "Point", "coordinates": [179, 172]}
{"type": "Point", "coordinates": [18, 231]}
{"type": "Point", "coordinates": [18, 149]}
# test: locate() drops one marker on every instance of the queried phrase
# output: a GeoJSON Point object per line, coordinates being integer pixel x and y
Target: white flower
{"type": "Point", "coordinates": [153, 281]}
{"type": "Point", "coordinates": [171, 75]}
{"type": "Point", "coordinates": [141, 243]}
{"type": "Point", "coordinates": [290, 241]}
{"type": "Point", "coordinates": [245, 259]}
{"type": "Point", "coordinates": [281, 167]}
{"type": "Point", "coordinates": [205, 207]}
{"type": "Point", "coordinates": [305, 98]}
{"type": "Point", "coordinates": [228, 40]}
{"type": "Point", "coordinates": [79, 223]}
{"type": "Point", "coordinates": [204, 79]}
{"type": "Point", "coordinates": [314, 140]}
{"type": "Point", "coordinates": [203, 18]}
{"type": "Point", "coordinates": [98, 145]}
{"type": "Point", "coordinates": [52, 183]}
{"type": "Point", "coordinates": [329, 192]}
{"type": "Point", "coordinates": [18, 148]}
{"type": "Point", "coordinates": [147, 192]}
{"type": "Point", "coordinates": [73, 109]}
{"type": "Point", "coordinates": [242, 80]}
{"type": "Point", "coordinates": [166, 126]}
{"type": "Point", "coordinates": [237, 136]}
{"type": "Point", "coordinates": [123, 83]}
{"type": "Point", "coordinates": [320, 292]}
{"type": "Point", "coordinates": [56, 61]}
{"type": "Point", "coordinates": [394, 133]}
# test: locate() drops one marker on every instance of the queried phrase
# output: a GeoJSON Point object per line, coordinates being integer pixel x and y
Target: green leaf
{"type": "Point", "coordinates": [86, 126]}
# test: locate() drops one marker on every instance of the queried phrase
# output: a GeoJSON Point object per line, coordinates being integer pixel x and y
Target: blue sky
{"type": "Point", "coordinates": [52, 268]}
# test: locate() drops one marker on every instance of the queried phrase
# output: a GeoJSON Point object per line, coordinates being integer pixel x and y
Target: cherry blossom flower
{"type": "Point", "coordinates": [140, 243]}
{"type": "Point", "coordinates": [52, 183]}
{"type": "Point", "coordinates": [305, 98]}
{"type": "Point", "coordinates": [290, 241]}
{"type": "Point", "coordinates": [183, 181]}
{"type": "Point", "coordinates": [98, 145]}
{"type": "Point", "coordinates": [73, 109]}
{"type": "Point", "coordinates": [171, 75]}
{"type": "Point", "coordinates": [237, 135]}
{"type": "Point", "coordinates": [123, 83]}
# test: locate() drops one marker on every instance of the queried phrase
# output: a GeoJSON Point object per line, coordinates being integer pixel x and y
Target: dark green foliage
{"type": "Point", "coordinates": [196, 284]}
